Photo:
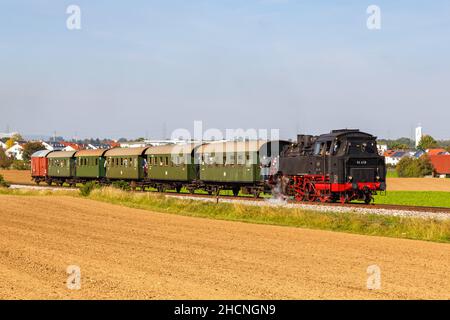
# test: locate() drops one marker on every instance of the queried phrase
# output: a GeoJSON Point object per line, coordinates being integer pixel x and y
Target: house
{"type": "Point", "coordinates": [70, 146]}
{"type": "Point", "coordinates": [418, 153]}
{"type": "Point", "coordinates": [441, 164]}
{"type": "Point", "coordinates": [437, 151]}
{"type": "Point", "coordinates": [393, 157]}
{"type": "Point", "coordinates": [16, 151]}
{"type": "Point", "coordinates": [3, 145]}
{"type": "Point", "coordinates": [52, 146]}
{"type": "Point", "coordinates": [133, 144]}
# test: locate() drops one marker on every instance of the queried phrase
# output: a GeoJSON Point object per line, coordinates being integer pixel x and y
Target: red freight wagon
{"type": "Point", "coordinates": [39, 165]}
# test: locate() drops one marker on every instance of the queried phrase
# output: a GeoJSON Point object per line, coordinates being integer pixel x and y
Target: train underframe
{"type": "Point", "coordinates": [212, 188]}
{"type": "Point", "coordinates": [318, 188]}
{"type": "Point", "coordinates": [306, 188]}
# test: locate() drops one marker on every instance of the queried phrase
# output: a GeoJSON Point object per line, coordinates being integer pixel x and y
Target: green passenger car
{"type": "Point", "coordinates": [172, 163]}
{"type": "Point", "coordinates": [61, 164]}
{"type": "Point", "coordinates": [230, 162]}
{"type": "Point", "coordinates": [90, 164]}
{"type": "Point", "coordinates": [233, 162]}
{"type": "Point", "coordinates": [126, 163]}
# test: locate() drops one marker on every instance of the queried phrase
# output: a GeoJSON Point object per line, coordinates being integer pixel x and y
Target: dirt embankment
{"type": "Point", "coordinates": [129, 253]}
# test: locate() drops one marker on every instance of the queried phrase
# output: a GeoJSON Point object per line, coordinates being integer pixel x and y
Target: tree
{"type": "Point", "coordinates": [29, 148]}
{"type": "Point", "coordinates": [425, 166]}
{"type": "Point", "coordinates": [410, 167]}
{"type": "Point", "coordinates": [399, 146]}
{"type": "Point", "coordinates": [427, 142]}
{"type": "Point", "coordinates": [17, 137]}
{"type": "Point", "coordinates": [9, 143]}
{"type": "Point", "coordinates": [5, 161]}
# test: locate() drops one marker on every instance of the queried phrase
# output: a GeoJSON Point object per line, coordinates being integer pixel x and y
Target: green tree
{"type": "Point", "coordinates": [5, 161]}
{"type": "Point", "coordinates": [425, 166]}
{"type": "Point", "coordinates": [399, 146]}
{"type": "Point", "coordinates": [31, 147]}
{"type": "Point", "coordinates": [3, 183]}
{"type": "Point", "coordinates": [409, 167]}
{"type": "Point", "coordinates": [427, 142]}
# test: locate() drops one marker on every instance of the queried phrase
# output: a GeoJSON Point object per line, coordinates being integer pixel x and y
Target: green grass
{"type": "Point", "coordinates": [366, 224]}
{"type": "Point", "coordinates": [391, 173]}
{"type": "Point", "coordinates": [415, 198]}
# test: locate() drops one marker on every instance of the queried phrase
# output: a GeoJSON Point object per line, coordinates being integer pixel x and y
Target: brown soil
{"type": "Point", "coordinates": [17, 176]}
{"type": "Point", "coordinates": [128, 253]}
{"type": "Point", "coordinates": [418, 184]}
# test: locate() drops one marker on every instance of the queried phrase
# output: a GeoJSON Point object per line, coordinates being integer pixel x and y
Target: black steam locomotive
{"type": "Point", "coordinates": [343, 165]}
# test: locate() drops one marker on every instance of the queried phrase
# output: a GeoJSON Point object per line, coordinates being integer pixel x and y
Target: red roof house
{"type": "Point", "coordinates": [435, 152]}
{"type": "Point", "coordinates": [441, 164]}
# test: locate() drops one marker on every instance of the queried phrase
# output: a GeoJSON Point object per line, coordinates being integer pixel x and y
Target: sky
{"type": "Point", "coordinates": [145, 68]}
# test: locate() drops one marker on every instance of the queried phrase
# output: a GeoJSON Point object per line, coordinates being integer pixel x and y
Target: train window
{"type": "Point", "coordinates": [336, 146]}
{"type": "Point", "coordinates": [358, 147]}
{"type": "Point", "coordinates": [96, 162]}
{"type": "Point", "coordinates": [240, 159]}
{"type": "Point", "coordinates": [328, 148]}
{"type": "Point", "coordinates": [317, 148]}
{"type": "Point", "coordinates": [167, 161]}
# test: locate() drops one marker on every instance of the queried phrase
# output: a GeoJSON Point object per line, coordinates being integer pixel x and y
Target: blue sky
{"type": "Point", "coordinates": [136, 67]}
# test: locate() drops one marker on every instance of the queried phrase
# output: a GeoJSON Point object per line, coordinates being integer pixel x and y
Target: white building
{"type": "Point", "coordinates": [133, 144]}
{"type": "Point", "coordinates": [418, 135]}
{"type": "Point", "coordinates": [16, 151]}
{"type": "Point", "coordinates": [395, 158]}
{"type": "Point", "coordinates": [3, 145]}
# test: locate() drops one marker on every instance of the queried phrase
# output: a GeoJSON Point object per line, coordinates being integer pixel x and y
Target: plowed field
{"type": "Point", "coordinates": [128, 253]}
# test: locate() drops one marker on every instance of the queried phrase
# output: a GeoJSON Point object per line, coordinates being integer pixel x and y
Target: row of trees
{"type": "Point", "coordinates": [427, 142]}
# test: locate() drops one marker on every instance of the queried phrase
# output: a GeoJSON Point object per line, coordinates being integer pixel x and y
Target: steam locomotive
{"type": "Point", "coordinates": [343, 165]}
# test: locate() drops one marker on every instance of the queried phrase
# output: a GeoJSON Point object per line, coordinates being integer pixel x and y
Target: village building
{"type": "Point", "coordinates": [441, 164]}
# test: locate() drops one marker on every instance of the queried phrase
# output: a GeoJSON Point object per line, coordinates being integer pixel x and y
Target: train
{"type": "Point", "coordinates": [342, 165]}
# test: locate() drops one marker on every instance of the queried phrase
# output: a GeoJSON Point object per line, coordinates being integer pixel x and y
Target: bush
{"type": "Point", "coordinates": [3, 183]}
{"type": "Point", "coordinates": [87, 188]}
{"type": "Point", "coordinates": [409, 167]}
{"type": "Point", "coordinates": [5, 161]}
{"type": "Point", "coordinates": [123, 185]}
{"type": "Point", "coordinates": [20, 165]}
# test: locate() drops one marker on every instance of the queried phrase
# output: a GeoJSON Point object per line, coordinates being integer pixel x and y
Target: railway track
{"type": "Point", "coordinates": [272, 201]}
